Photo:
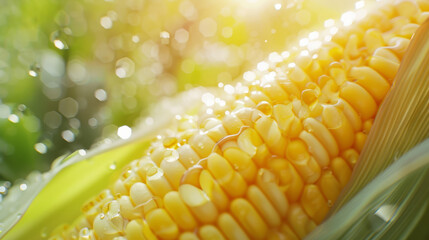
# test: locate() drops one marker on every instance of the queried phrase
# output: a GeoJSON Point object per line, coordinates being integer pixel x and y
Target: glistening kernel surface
{"type": "Point", "coordinates": [270, 162]}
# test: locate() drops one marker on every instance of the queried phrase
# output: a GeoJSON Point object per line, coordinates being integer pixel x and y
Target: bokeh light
{"type": "Point", "coordinates": [88, 70]}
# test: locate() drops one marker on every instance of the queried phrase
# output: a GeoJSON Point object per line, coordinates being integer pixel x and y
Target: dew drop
{"type": "Point", "coordinates": [68, 136]}
{"type": "Point", "coordinates": [34, 70]}
{"type": "Point", "coordinates": [165, 37]}
{"type": "Point", "coordinates": [40, 148]}
{"type": "Point", "coordinates": [125, 67]}
{"type": "Point", "coordinates": [57, 39]}
{"type": "Point", "coordinates": [23, 187]}
{"type": "Point", "coordinates": [13, 118]}
{"type": "Point", "coordinates": [112, 166]}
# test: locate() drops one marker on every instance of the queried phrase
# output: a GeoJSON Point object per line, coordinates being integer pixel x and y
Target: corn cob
{"type": "Point", "coordinates": [267, 159]}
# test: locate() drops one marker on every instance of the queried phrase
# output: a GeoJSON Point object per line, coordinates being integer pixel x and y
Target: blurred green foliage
{"type": "Point", "coordinates": [73, 71]}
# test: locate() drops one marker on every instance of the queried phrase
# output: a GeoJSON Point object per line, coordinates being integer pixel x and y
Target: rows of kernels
{"type": "Point", "coordinates": [270, 161]}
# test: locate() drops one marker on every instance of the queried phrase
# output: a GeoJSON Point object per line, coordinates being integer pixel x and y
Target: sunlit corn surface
{"type": "Point", "coordinates": [75, 70]}
{"type": "Point", "coordinates": [266, 157]}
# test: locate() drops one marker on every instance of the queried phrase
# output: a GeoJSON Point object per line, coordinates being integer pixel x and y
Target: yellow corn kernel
{"type": "Point", "coordinates": [275, 92]}
{"type": "Point", "coordinates": [230, 227]}
{"type": "Point", "coordinates": [298, 77]}
{"type": "Point", "coordinates": [351, 156]}
{"type": "Point", "coordinates": [134, 230]}
{"type": "Point", "coordinates": [128, 209]}
{"type": "Point", "coordinates": [142, 197]}
{"type": "Point", "coordinates": [267, 183]}
{"type": "Point", "coordinates": [172, 168]}
{"type": "Point", "coordinates": [249, 141]}
{"type": "Point", "coordinates": [213, 190]}
{"type": "Point", "coordinates": [329, 186]}
{"type": "Point", "coordinates": [178, 211]}
{"type": "Point", "coordinates": [162, 224]}
{"type": "Point", "coordinates": [315, 148]}
{"type": "Point", "coordinates": [209, 232]}
{"type": "Point", "coordinates": [372, 81]}
{"type": "Point", "coordinates": [304, 163]}
{"type": "Point", "coordinates": [270, 133]}
{"type": "Point", "coordinates": [320, 131]}
{"type": "Point", "coordinates": [156, 181]}
{"type": "Point", "coordinates": [339, 126]}
{"type": "Point", "coordinates": [232, 124]}
{"type": "Point", "coordinates": [263, 205]}
{"type": "Point", "coordinates": [299, 221]}
{"type": "Point", "coordinates": [188, 236]}
{"type": "Point", "coordinates": [287, 231]}
{"type": "Point", "coordinates": [232, 182]}
{"type": "Point", "coordinates": [199, 203]}
{"type": "Point", "coordinates": [314, 203]}
{"type": "Point", "coordinates": [187, 156]}
{"type": "Point", "coordinates": [202, 144]}
{"type": "Point", "coordinates": [249, 218]}
{"type": "Point", "coordinates": [360, 99]}
{"type": "Point", "coordinates": [241, 162]}
{"type": "Point", "coordinates": [360, 139]}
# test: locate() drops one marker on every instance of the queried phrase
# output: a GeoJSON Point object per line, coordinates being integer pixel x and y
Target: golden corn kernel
{"type": "Point", "coordinates": [266, 181]}
{"type": "Point", "coordinates": [173, 169]}
{"type": "Point", "coordinates": [178, 211]}
{"type": "Point", "coordinates": [384, 66]}
{"type": "Point", "coordinates": [248, 141]}
{"type": "Point", "coordinates": [162, 224]}
{"type": "Point", "coordinates": [134, 230]}
{"type": "Point", "coordinates": [315, 148]}
{"type": "Point", "coordinates": [329, 186]}
{"type": "Point", "coordinates": [299, 221]}
{"type": "Point", "coordinates": [263, 205]}
{"type": "Point", "coordinates": [373, 39]}
{"type": "Point", "coordinates": [319, 130]}
{"type": "Point", "coordinates": [241, 162]}
{"type": "Point", "coordinates": [373, 82]}
{"type": "Point", "coordinates": [298, 77]}
{"type": "Point", "coordinates": [339, 126]}
{"type": "Point", "coordinates": [275, 92]}
{"type": "Point", "coordinates": [341, 170]}
{"type": "Point", "coordinates": [232, 123]}
{"type": "Point", "coordinates": [142, 197]}
{"type": "Point", "coordinates": [304, 163]}
{"type": "Point", "coordinates": [287, 231]}
{"type": "Point", "coordinates": [128, 209]}
{"type": "Point", "coordinates": [360, 139]}
{"type": "Point", "coordinates": [209, 232]}
{"type": "Point", "coordinates": [187, 156]}
{"type": "Point", "coordinates": [202, 144]}
{"type": "Point", "coordinates": [352, 47]}
{"type": "Point", "coordinates": [231, 181]}
{"type": "Point", "coordinates": [360, 99]}
{"type": "Point", "coordinates": [249, 218]}
{"type": "Point", "coordinates": [270, 133]}
{"type": "Point", "coordinates": [213, 190]}
{"type": "Point", "coordinates": [199, 203]}
{"type": "Point", "coordinates": [314, 203]}
{"type": "Point", "coordinates": [351, 156]}
{"type": "Point", "coordinates": [157, 183]}
{"type": "Point", "coordinates": [188, 236]}
{"type": "Point", "coordinates": [230, 227]}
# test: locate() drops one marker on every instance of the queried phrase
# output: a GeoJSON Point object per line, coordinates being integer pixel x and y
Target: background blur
{"type": "Point", "coordinates": [73, 71]}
